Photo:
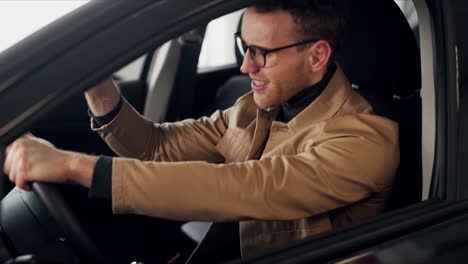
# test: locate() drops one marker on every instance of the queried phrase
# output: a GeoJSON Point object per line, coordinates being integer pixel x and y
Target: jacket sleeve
{"type": "Point", "coordinates": [341, 168]}
{"type": "Point", "coordinates": [131, 135]}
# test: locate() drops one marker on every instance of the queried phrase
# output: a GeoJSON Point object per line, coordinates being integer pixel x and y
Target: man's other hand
{"type": "Point", "coordinates": [30, 159]}
{"type": "Point", "coordinates": [103, 97]}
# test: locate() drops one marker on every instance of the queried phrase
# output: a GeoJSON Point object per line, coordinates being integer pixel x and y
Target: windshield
{"type": "Point", "coordinates": [19, 19]}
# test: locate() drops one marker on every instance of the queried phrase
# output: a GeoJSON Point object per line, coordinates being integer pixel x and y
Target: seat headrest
{"type": "Point", "coordinates": [380, 50]}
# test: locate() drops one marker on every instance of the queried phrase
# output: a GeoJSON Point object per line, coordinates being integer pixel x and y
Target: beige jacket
{"type": "Point", "coordinates": [330, 166]}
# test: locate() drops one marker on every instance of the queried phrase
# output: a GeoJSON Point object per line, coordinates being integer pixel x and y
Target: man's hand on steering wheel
{"type": "Point", "coordinates": [30, 159]}
{"type": "Point", "coordinates": [30, 162]}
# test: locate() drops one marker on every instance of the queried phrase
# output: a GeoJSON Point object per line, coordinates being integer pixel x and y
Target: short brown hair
{"type": "Point", "coordinates": [324, 19]}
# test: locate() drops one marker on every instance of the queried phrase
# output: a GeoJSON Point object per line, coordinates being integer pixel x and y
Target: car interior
{"type": "Point", "coordinates": [380, 56]}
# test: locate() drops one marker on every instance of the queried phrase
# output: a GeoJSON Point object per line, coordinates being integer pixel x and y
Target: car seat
{"type": "Point", "coordinates": [381, 58]}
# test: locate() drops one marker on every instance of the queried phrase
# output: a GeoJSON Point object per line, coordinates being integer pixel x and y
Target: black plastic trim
{"type": "Point", "coordinates": [451, 101]}
{"type": "Point", "coordinates": [439, 182]}
{"type": "Point", "coordinates": [460, 9]}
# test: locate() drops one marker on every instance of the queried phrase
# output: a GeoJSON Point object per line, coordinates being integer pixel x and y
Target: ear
{"type": "Point", "coordinates": [319, 56]}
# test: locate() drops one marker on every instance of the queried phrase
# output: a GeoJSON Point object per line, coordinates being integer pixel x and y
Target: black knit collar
{"type": "Point", "coordinates": [305, 97]}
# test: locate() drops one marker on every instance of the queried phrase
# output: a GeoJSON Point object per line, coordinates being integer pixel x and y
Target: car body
{"type": "Point", "coordinates": [42, 79]}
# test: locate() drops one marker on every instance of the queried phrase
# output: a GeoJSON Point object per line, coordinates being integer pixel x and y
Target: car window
{"type": "Point", "coordinates": [13, 25]}
{"type": "Point", "coordinates": [131, 71]}
{"type": "Point", "coordinates": [218, 44]}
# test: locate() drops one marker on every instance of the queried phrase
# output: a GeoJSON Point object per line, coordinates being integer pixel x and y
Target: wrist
{"type": "Point", "coordinates": [80, 168]}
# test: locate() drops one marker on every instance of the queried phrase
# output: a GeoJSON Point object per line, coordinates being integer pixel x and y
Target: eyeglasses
{"type": "Point", "coordinates": [258, 54]}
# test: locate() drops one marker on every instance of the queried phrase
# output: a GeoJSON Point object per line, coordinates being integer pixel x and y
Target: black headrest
{"type": "Point", "coordinates": [380, 50]}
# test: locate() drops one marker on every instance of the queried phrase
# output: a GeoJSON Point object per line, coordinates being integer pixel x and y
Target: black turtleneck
{"type": "Point", "coordinates": [300, 101]}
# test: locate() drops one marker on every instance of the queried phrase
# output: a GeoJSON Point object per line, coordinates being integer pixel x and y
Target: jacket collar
{"type": "Point", "coordinates": [326, 105]}
{"type": "Point", "coordinates": [300, 101]}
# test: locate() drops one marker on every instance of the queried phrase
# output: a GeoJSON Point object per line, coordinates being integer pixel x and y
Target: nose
{"type": "Point", "coordinates": [248, 65]}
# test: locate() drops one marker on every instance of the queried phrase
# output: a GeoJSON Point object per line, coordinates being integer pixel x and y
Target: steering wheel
{"type": "Point", "coordinates": [60, 211]}
{"type": "Point", "coordinates": [75, 233]}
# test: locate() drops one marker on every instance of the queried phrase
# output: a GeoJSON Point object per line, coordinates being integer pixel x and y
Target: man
{"type": "Point", "coordinates": [300, 154]}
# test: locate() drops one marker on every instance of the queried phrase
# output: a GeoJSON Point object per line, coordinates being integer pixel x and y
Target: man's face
{"type": "Point", "coordinates": [287, 71]}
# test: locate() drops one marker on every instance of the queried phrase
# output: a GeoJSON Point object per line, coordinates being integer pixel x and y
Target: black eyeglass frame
{"type": "Point", "coordinates": [264, 51]}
